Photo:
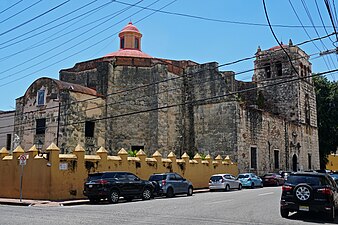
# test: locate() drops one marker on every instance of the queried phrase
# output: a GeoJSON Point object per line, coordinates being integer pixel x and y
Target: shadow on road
{"type": "Point", "coordinates": [312, 218]}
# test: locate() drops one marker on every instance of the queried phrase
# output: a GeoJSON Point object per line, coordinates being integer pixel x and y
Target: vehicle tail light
{"type": "Point", "coordinates": [325, 191]}
{"type": "Point", "coordinates": [286, 188]}
{"type": "Point", "coordinates": [101, 182]}
{"type": "Point", "coordinates": [163, 182]}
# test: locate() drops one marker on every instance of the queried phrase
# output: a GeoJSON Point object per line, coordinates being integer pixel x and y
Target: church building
{"type": "Point", "coordinates": [129, 99]}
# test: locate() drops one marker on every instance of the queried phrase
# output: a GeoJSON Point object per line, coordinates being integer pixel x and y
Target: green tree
{"type": "Point", "coordinates": [327, 115]}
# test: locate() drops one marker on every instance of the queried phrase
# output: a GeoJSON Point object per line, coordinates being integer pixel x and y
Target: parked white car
{"type": "Point", "coordinates": [224, 182]}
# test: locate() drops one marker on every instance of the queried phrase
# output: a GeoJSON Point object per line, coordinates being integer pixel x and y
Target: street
{"type": "Point", "coordinates": [257, 206]}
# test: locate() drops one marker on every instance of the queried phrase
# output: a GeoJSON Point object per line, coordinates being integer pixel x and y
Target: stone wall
{"type": "Point", "coordinates": [7, 128]}
{"type": "Point", "coordinates": [144, 96]}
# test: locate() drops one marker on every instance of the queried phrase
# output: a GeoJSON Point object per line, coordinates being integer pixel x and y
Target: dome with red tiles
{"type": "Point", "coordinates": [130, 43]}
{"type": "Point", "coordinates": [130, 27]}
{"type": "Point", "coordinates": [129, 53]}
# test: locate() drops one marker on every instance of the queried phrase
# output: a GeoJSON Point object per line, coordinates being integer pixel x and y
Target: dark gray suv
{"type": "Point", "coordinates": [309, 192]}
{"type": "Point", "coordinates": [113, 185]}
{"type": "Point", "coordinates": [170, 184]}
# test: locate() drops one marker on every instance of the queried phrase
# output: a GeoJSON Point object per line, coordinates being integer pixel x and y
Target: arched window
{"type": "Point", "coordinates": [122, 43]}
{"type": "Point", "coordinates": [137, 43]}
{"type": "Point", "coordinates": [307, 109]}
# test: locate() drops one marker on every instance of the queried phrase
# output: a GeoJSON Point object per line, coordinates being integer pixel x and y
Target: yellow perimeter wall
{"type": "Point", "coordinates": [332, 163]}
{"type": "Point", "coordinates": [63, 175]}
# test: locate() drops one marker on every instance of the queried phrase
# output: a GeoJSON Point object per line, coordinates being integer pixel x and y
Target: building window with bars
{"type": "Point", "coordinates": [276, 159]}
{"type": "Point", "coordinates": [253, 158]}
{"type": "Point", "coordinates": [40, 126]}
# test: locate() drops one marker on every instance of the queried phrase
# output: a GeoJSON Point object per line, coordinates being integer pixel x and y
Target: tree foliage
{"type": "Point", "coordinates": [327, 115]}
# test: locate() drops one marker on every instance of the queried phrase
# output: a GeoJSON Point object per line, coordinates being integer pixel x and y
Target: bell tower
{"type": "Point", "coordinates": [285, 87]}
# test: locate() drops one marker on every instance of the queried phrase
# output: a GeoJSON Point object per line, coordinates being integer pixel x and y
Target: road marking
{"type": "Point", "coordinates": [210, 203]}
{"type": "Point", "coordinates": [268, 193]}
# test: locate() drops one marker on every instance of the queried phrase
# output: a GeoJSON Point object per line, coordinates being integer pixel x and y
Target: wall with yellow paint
{"type": "Point", "coordinates": [62, 176]}
{"type": "Point", "coordinates": [332, 163]}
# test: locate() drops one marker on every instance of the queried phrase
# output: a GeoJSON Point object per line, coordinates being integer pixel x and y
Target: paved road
{"type": "Point", "coordinates": [257, 206]}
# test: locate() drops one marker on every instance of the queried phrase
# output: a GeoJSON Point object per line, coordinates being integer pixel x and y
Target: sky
{"type": "Point", "coordinates": [38, 38]}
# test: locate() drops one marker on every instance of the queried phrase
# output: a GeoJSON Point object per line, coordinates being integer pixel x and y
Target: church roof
{"type": "Point", "coordinates": [129, 52]}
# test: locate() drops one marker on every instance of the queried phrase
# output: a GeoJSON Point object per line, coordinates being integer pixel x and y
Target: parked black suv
{"type": "Point", "coordinates": [113, 185]}
{"type": "Point", "coordinates": [309, 191]}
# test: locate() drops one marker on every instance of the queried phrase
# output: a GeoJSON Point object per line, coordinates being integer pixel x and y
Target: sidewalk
{"type": "Point", "coordinates": [30, 202]}
{"type": "Point", "coordinates": [47, 203]}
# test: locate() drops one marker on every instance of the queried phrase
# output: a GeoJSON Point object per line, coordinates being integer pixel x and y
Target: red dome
{"type": "Point", "coordinates": [130, 27]}
{"type": "Point", "coordinates": [129, 53]}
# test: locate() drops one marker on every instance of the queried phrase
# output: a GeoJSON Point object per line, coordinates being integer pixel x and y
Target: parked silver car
{"type": "Point", "coordinates": [170, 184]}
{"type": "Point", "coordinates": [224, 182]}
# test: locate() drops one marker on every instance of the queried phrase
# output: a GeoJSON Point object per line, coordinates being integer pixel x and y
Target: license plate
{"type": "Point", "coordinates": [303, 208]}
{"type": "Point", "coordinates": [90, 185]}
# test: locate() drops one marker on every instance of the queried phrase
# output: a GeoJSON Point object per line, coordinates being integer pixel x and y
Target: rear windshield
{"type": "Point", "coordinates": [157, 177]}
{"type": "Point", "coordinates": [216, 178]}
{"type": "Point", "coordinates": [311, 180]}
{"type": "Point", "coordinates": [268, 175]}
{"type": "Point", "coordinates": [94, 176]}
{"type": "Point", "coordinates": [243, 176]}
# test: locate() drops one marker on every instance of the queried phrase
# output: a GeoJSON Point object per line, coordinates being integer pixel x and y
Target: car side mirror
{"type": "Point", "coordinates": [184, 179]}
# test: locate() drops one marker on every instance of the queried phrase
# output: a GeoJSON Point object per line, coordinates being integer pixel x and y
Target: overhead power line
{"type": "Point", "coordinates": [193, 101]}
{"type": "Point", "coordinates": [274, 35]}
{"type": "Point", "coordinates": [34, 18]}
{"type": "Point", "coordinates": [21, 11]}
{"type": "Point", "coordinates": [10, 6]}
{"type": "Point", "coordinates": [219, 20]}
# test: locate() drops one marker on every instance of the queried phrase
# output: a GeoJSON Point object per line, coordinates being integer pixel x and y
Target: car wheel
{"type": "Point", "coordinates": [170, 193]}
{"type": "Point", "coordinates": [284, 213]}
{"type": "Point", "coordinates": [190, 191]}
{"type": "Point", "coordinates": [332, 214]}
{"type": "Point", "coordinates": [114, 196]}
{"type": "Point", "coordinates": [261, 186]}
{"type": "Point", "coordinates": [240, 187]}
{"type": "Point", "coordinates": [303, 192]}
{"type": "Point", "coordinates": [146, 194]}
{"type": "Point", "coordinates": [227, 188]}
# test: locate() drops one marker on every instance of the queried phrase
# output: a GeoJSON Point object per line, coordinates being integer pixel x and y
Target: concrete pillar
{"type": "Point", "coordinates": [198, 158]}
{"type": "Point", "coordinates": [3, 153]}
{"type": "Point", "coordinates": [103, 153]}
{"type": "Point", "coordinates": [32, 152]}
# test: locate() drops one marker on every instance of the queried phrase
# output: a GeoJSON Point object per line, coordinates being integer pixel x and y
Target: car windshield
{"type": "Point", "coordinates": [216, 178]}
{"type": "Point", "coordinates": [311, 180]}
{"type": "Point", "coordinates": [157, 177]}
{"type": "Point", "coordinates": [243, 176]}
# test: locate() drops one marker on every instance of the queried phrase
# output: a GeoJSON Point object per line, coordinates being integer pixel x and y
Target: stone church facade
{"type": "Point", "coordinates": [128, 99]}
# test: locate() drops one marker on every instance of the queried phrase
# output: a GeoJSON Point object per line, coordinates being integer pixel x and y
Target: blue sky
{"type": "Point", "coordinates": [39, 37]}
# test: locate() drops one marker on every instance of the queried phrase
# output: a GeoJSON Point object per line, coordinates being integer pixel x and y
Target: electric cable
{"type": "Point", "coordinates": [11, 6]}
{"type": "Point", "coordinates": [225, 64]}
{"type": "Point", "coordinates": [21, 11]}
{"type": "Point", "coordinates": [193, 101]}
{"type": "Point", "coordinates": [34, 18]}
